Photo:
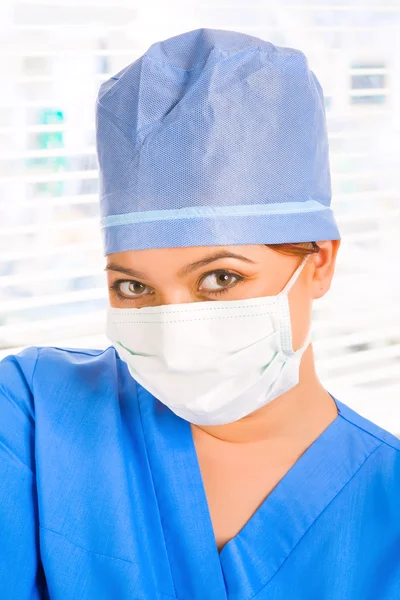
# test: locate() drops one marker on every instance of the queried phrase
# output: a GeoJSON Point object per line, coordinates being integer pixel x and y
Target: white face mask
{"type": "Point", "coordinates": [213, 362]}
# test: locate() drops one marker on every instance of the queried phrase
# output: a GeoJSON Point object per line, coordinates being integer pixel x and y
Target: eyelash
{"type": "Point", "coordinates": [115, 285]}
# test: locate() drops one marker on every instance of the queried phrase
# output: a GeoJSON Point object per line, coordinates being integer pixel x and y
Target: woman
{"type": "Point", "coordinates": [199, 456]}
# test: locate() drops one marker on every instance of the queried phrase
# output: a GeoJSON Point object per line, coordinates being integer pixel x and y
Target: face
{"type": "Point", "coordinates": [141, 278]}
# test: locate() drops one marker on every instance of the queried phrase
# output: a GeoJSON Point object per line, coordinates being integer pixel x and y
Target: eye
{"type": "Point", "coordinates": [128, 288]}
{"type": "Point", "coordinates": [219, 282]}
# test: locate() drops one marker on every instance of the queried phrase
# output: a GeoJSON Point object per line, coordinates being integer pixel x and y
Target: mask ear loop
{"type": "Point", "coordinates": [284, 313]}
{"type": "Point", "coordinates": [294, 277]}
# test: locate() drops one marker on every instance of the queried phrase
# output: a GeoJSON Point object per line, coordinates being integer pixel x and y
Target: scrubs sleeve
{"type": "Point", "coordinates": [21, 573]}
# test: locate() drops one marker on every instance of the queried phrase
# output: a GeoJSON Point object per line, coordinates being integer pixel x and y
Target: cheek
{"type": "Point", "coordinates": [113, 301]}
{"type": "Point", "coordinates": [300, 316]}
{"type": "Point", "coordinates": [258, 287]}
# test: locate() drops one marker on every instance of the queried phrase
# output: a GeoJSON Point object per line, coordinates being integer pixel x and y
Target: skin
{"type": "Point", "coordinates": [293, 419]}
{"type": "Point", "coordinates": [241, 462]}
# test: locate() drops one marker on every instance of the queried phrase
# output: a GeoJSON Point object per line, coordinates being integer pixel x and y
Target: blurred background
{"type": "Point", "coordinates": [54, 55]}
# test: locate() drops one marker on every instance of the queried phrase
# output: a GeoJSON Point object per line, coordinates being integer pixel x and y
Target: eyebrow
{"type": "Point", "coordinates": [186, 269]}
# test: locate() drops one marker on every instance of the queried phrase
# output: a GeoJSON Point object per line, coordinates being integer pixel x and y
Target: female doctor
{"type": "Point", "coordinates": [199, 457]}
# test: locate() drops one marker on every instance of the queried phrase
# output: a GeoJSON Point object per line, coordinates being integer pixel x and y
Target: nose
{"type": "Point", "coordinates": [176, 295]}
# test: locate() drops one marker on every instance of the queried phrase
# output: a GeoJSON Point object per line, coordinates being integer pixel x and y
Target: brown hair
{"type": "Point", "coordinates": [298, 249]}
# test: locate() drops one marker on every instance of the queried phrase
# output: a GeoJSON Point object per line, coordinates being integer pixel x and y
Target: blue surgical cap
{"type": "Point", "coordinates": [213, 137]}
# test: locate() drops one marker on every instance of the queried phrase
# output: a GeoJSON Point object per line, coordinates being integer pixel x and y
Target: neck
{"type": "Point", "coordinates": [304, 411]}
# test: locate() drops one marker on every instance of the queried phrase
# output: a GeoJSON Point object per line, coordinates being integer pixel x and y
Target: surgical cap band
{"type": "Point", "coordinates": [269, 228]}
{"type": "Point", "coordinates": [190, 212]}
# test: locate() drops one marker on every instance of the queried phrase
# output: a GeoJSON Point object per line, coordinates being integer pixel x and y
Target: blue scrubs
{"type": "Point", "coordinates": [101, 498]}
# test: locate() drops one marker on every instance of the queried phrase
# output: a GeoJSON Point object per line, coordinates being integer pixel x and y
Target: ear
{"type": "Point", "coordinates": [323, 264]}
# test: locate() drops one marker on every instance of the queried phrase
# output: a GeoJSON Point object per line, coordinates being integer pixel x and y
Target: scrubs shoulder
{"type": "Point", "coordinates": [101, 497]}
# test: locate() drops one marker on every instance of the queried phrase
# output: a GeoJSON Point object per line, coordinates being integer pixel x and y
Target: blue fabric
{"type": "Point", "coordinates": [101, 498]}
{"type": "Point", "coordinates": [213, 137]}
